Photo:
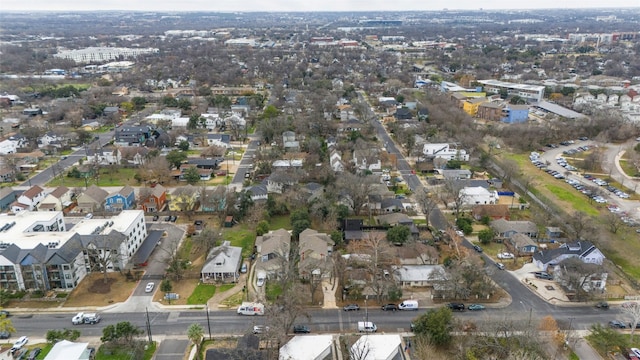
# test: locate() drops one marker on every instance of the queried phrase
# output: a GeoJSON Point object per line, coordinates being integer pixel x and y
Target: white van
{"type": "Point", "coordinates": [78, 319]}
{"type": "Point", "coordinates": [261, 277]}
{"type": "Point", "coordinates": [250, 308]}
{"type": "Point", "coordinates": [367, 326]}
{"type": "Point", "coordinates": [408, 305]}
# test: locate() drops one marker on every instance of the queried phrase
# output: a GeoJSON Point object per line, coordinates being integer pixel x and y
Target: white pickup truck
{"type": "Point", "coordinates": [85, 318]}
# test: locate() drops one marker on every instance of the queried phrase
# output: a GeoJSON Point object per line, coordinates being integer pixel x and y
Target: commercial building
{"type": "Point", "coordinates": [525, 91]}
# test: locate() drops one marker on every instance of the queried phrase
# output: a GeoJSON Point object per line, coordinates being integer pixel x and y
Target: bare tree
{"type": "Point", "coordinates": [104, 253]}
{"type": "Point", "coordinates": [576, 276]}
{"type": "Point", "coordinates": [427, 204]}
{"type": "Point", "coordinates": [380, 261]}
{"type": "Point", "coordinates": [356, 189]}
{"type": "Point", "coordinates": [453, 190]}
{"type": "Point", "coordinates": [580, 224]}
{"type": "Point", "coordinates": [614, 222]}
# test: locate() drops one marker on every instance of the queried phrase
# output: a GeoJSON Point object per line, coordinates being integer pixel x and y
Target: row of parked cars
{"type": "Point", "coordinates": [586, 191]}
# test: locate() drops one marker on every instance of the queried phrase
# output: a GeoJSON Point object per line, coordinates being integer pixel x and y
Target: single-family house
{"type": "Point", "coordinates": [415, 275]}
{"type": "Point", "coordinates": [8, 196]}
{"type": "Point", "coordinates": [289, 142]}
{"type": "Point", "coordinates": [273, 251]}
{"type": "Point", "coordinates": [377, 347]}
{"type": "Point", "coordinates": [583, 250]}
{"type": "Point", "coordinates": [472, 196]}
{"type": "Point", "coordinates": [415, 253]}
{"type": "Point", "coordinates": [403, 113]}
{"type": "Point", "coordinates": [521, 244]}
{"type": "Point", "coordinates": [29, 199]}
{"type": "Point", "coordinates": [444, 151]}
{"type": "Point", "coordinates": [314, 252]}
{"type": "Point", "coordinates": [493, 211]}
{"type": "Point", "coordinates": [103, 156]}
{"type": "Point", "coordinates": [258, 192]}
{"type": "Point", "coordinates": [223, 264]}
{"type": "Point", "coordinates": [122, 199]}
{"type": "Point", "coordinates": [67, 350]}
{"type": "Point", "coordinates": [50, 139]}
{"type": "Point", "coordinates": [506, 229]}
{"type": "Point", "coordinates": [279, 181]}
{"type": "Point", "coordinates": [367, 159]}
{"type": "Point", "coordinates": [7, 174]}
{"type": "Point", "coordinates": [213, 200]}
{"type": "Point", "coordinates": [335, 161]}
{"type": "Point", "coordinates": [552, 232]}
{"type": "Point", "coordinates": [308, 347]}
{"type": "Point", "coordinates": [57, 200]}
{"type": "Point", "coordinates": [132, 135]}
{"type": "Point", "coordinates": [388, 205]}
{"type": "Point", "coordinates": [92, 199]}
{"type": "Point", "coordinates": [184, 198]}
{"type": "Point", "coordinates": [590, 277]}
{"type": "Point", "coordinates": [154, 199]}
{"type": "Point", "coordinates": [312, 191]}
{"type": "Point", "coordinates": [135, 155]}
{"type": "Point", "coordinates": [455, 174]}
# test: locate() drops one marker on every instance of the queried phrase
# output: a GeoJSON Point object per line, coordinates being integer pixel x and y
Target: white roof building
{"type": "Point", "coordinates": [376, 347]}
{"type": "Point", "coordinates": [67, 350]}
{"type": "Point", "coordinates": [307, 347]}
{"type": "Point", "coordinates": [478, 196]}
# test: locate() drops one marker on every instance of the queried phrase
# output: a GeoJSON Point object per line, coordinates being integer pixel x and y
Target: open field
{"type": "Point", "coordinates": [93, 292]}
{"type": "Point", "coordinates": [240, 235]}
{"type": "Point", "coordinates": [108, 177]}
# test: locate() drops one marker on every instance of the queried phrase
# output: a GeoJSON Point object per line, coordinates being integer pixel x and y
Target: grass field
{"type": "Point", "coordinates": [577, 201]}
{"type": "Point", "coordinates": [201, 294]}
{"type": "Point", "coordinates": [280, 222]}
{"type": "Point", "coordinates": [108, 177]}
{"type": "Point", "coordinates": [240, 235]}
{"type": "Point", "coordinates": [121, 353]}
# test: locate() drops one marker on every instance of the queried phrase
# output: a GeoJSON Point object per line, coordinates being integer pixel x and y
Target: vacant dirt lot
{"type": "Point", "coordinates": [92, 291]}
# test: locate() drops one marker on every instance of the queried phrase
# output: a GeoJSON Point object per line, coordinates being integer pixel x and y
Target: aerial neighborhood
{"type": "Point", "coordinates": [355, 182]}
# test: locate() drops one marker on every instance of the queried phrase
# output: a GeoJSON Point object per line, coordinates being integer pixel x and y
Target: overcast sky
{"type": "Point", "coordinates": [300, 5]}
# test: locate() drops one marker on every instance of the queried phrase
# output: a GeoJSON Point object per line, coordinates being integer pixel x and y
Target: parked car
{"type": "Point", "coordinates": [167, 218]}
{"type": "Point", "coordinates": [602, 305]}
{"type": "Point", "coordinates": [477, 248]}
{"type": "Point", "coordinates": [617, 324]}
{"type": "Point", "coordinates": [173, 218]}
{"type": "Point", "coordinates": [629, 304]}
{"type": "Point", "coordinates": [259, 329]}
{"type": "Point", "coordinates": [500, 266]}
{"type": "Point", "coordinates": [89, 216]}
{"type": "Point", "coordinates": [543, 275]}
{"type": "Point", "coordinates": [243, 268]}
{"type": "Point", "coordinates": [456, 306]}
{"type": "Point", "coordinates": [389, 307]}
{"type": "Point", "coordinates": [5, 334]}
{"type": "Point", "coordinates": [155, 217]}
{"type": "Point", "coordinates": [301, 329]}
{"type": "Point", "coordinates": [149, 287]}
{"type": "Point", "coordinates": [22, 341]}
{"type": "Point", "coordinates": [5, 313]}
{"type": "Point", "coordinates": [34, 353]}
{"type": "Point", "coordinates": [505, 255]}
{"type": "Point", "coordinates": [475, 307]}
{"type": "Point", "coordinates": [351, 307]}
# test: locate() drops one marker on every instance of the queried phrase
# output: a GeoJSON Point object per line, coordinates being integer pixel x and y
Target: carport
{"type": "Point", "coordinates": [146, 248]}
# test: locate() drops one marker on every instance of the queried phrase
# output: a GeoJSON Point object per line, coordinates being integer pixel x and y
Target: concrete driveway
{"type": "Point", "coordinates": [171, 349]}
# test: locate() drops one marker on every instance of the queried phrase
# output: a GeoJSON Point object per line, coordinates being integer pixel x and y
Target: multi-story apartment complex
{"type": "Point", "coordinates": [38, 252]}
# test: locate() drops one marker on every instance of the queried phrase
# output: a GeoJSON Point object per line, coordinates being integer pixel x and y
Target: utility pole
{"type": "Point", "coordinates": [148, 326]}
{"type": "Point", "coordinates": [208, 322]}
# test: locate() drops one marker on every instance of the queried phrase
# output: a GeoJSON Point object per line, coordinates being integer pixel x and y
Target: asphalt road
{"type": "Point", "coordinates": [246, 164]}
{"type": "Point", "coordinates": [227, 322]}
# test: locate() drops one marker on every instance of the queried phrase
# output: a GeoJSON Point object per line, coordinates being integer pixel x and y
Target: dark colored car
{"type": "Point", "coordinates": [167, 218]}
{"type": "Point", "coordinates": [301, 329]}
{"type": "Point", "coordinates": [35, 352]}
{"type": "Point", "coordinates": [477, 248]}
{"type": "Point", "coordinates": [5, 334]}
{"type": "Point", "coordinates": [617, 324]}
{"type": "Point", "coordinates": [351, 307]}
{"type": "Point", "coordinates": [543, 276]}
{"type": "Point", "coordinates": [456, 306]}
{"type": "Point", "coordinates": [174, 218]}
{"type": "Point", "coordinates": [5, 313]}
{"type": "Point", "coordinates": [602, 305]}
{"type": "Point", "coordinates": [389, 307]}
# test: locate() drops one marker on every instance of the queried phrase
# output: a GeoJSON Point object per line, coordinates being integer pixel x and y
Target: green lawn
{"type": "Point", "coordinates": [280, 222]}
{"type": "Point", "coordinates": [272, 291]}
{"type": "Point", "coordinates": [45, 350]}
{"type": "Point", "coordinates": [578, 201]}
{"type": "Point", "coordinates": [240, 235]}
{"type": "Point", "coordinates": [201, 294]}
{"type": "Point", "coordinates": [120, 353]}
{"type": "Point", "coordinates": [108, 177]}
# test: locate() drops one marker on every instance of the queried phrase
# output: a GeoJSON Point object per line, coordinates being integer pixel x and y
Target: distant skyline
{"type": "Point", "coordinates": [300, 5]}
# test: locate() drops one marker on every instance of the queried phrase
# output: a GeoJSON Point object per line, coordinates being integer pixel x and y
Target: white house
{"type": "Point", "coordinates": [29, 199]}
{"type": "Point", "coordinates": [308, 347]}
{"type": "Point", "coordinates": [444, 151]}
{"type": "Point", "coordinates": [367, 159]}
{"type": "Point", "coordinates": [8, 147]}
{"type": "Point", "coordinates": [478, 196]}
{"type": "Point", "coordinates": [104, 156]}
{"type": "Point", "coordinates": [335, 160]}
{"type": "Point", "coordinates": [50, 138]}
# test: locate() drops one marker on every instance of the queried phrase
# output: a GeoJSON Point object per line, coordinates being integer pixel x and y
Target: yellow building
{"type": "Point", "coordinates": [470, 106]}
